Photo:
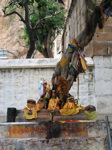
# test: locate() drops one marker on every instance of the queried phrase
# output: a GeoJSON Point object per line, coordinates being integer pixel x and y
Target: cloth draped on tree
{"type": "Point", "coordinates": [91, 115]}
{"type": "Point", "coordinates": [90, 112]}
{"type": "Point", "coordinates": [69, 109]}
{"type": "Point", "coordinates": [81, 64]}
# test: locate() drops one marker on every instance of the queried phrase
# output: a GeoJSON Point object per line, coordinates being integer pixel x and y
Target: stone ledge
{"type": "Point", "coordinates": [74, 129]}
{"type": "Point", "coordinates": [44, 115]}
{"type": "Point", "coordinates": [35, 63]}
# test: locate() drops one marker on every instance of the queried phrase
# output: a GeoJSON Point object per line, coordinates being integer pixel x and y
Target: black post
{"type": "Point", "coordinates": [11, 114]}
{"type": "Point", "coordinates": [108, 133]}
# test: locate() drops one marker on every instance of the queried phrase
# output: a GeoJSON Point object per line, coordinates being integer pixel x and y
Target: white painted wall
{"type": "Point", "coordinates": [103, 83]}
{"type": "Point", "coordinates": [19, 80]}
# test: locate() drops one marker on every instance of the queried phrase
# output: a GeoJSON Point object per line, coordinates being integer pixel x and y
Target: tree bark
{"type": "Point", "coordinates": [30, 32]}
{"type": "Point", "coordinates": [31, 49]}
{"type": "Point", "coordinates": [44, 53]}
{"type": "Point", "coordinates": [48, 47]}
{"type": "Point", "coordinates": [49, 41]}
{"type": "Point", "coordinates": [82, 39]}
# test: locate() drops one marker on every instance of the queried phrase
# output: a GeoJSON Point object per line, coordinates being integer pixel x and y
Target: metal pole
{"type": "Point", "coordinates": [108, 133]}
{"type": "Point", "coordinates": [77, 88]}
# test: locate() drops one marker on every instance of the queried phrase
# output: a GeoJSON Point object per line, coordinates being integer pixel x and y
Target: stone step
{"type": "Point", "coordinates": [71, 128]}
{"type": "Point", "coordinates": [53, 144]}
{"type": "Point", "coordinates": [57, 135]}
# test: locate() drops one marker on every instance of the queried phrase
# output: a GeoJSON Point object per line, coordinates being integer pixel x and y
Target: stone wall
{"type": "Point", "coordinates": [103, 83]}
{"type": "Point", "coordinates": [81, 135]}
{"type": "Point", "coordinates": [102, 41]}
{"type": "Point", "coordinates": [101, 44]}
{"type": "Point", "coordinates": [19, 80]}
{"type": "Point", "coordinates": [75, 21]}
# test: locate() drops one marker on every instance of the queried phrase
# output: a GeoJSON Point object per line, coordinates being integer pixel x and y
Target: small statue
{"type": "Point", "coordinates": [30, 109]}
{"type": "Point", "coordinates": [41, 104]}
{"type": "Point", "coordinates": [90, 112]}
{"type": "Point", "coordinates": [69, 108]}
{"type": "Point", "coordinates": [42, 87]}
{"type": "Point", "coordinates": [54, 102]}
{"type": "Point", "coordinates": [47, 96]}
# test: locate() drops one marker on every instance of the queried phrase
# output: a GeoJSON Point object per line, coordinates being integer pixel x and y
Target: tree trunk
{"type": "Point", "coordinates": [31, 49]}
{"type": "Point", "coordinates": [48, 53]}
{"type": "Point", "coordinates": [82, 39]}
{"type": "Point", "coordinates": [48, 45]}
{"type": "Point", "coordinates": [45, 53]}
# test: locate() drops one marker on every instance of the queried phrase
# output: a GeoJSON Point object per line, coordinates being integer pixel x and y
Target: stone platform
{"type": "Point", "coordinates": [72, 135]}
{"type": "Point", "coordinates": [64, 133]}
{"type": "Point", "coordinates": [44, 115]}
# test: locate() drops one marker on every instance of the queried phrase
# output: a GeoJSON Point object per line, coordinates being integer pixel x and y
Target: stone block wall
{"type": "Point", "coordinates": [102, 41]}
{"type": "Point", "coordinates": [19, 80]}
{"type": "Point", "coordinates": [101, 44]}
{"type": "Point", "coordinates": [75, 21]}
{"type": "Point", "coordinates": [85, 135]}
{"type": "Point", "coordinates": [103, 83]}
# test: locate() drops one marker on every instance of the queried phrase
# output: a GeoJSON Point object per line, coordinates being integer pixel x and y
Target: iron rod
{"type": "Point", "coordinates": [108, 133]}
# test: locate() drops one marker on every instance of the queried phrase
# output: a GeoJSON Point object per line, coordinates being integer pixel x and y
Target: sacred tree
{"type": "Point", "coordinates": [73, 62]}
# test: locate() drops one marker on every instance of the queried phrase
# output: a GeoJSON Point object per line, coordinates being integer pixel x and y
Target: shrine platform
{"type": "Point", "coordinates": [44, 115]}
{"type": "Point", "coordinates": [57, 135]}
{"type": "Point", "coordinates": [64, 133]}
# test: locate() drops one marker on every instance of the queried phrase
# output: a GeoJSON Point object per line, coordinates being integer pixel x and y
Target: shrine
{"type": "Point", "coordinates": [62, 104]}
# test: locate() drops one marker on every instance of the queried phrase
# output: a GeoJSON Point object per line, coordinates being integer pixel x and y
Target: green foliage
{"type": "Point", "coordinates": [38, 10]}
{"type": "Point", "coordinates": [51, 26]}
{"type": "Point", "coordinates": [25, 36]}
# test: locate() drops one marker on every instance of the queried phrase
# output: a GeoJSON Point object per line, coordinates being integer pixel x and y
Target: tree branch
{"type": "Point", "coordinates": [47, 17]}
{"type": "Point", "coordinates": [21, 44]}
{"type": "Point", "coordinates": [27, 19]}
{"type": "Point", "coordinates": [13, 54]}
{"type": "Point", "coordinates": [14, 12]}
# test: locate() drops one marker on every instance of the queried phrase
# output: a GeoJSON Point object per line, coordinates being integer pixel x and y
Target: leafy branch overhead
{"type": "Point", "coordinates": [43, 21]}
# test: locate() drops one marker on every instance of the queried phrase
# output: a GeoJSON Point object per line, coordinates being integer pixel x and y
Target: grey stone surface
{"type": "Point", "coordinates": [103, 84]}
{"type": "Point", "coordinates": [19, 80]}
{"type": "Point", "coordinates": [19, 147]}
{"type": "Point", "coordinates": [56, 144]}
